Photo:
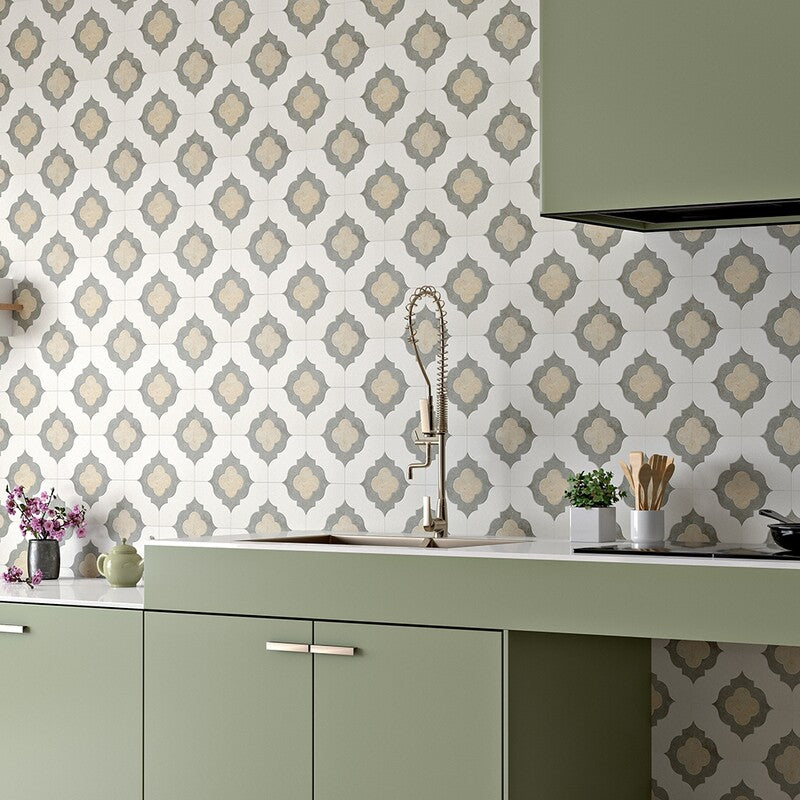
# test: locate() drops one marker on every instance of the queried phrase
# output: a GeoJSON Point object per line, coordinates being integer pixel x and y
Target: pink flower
{"type": "Point", "coordinates": [36, 578]}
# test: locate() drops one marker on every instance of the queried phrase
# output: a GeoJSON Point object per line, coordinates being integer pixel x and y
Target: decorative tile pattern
{"type": "Point", "coordinates": [213, 222]}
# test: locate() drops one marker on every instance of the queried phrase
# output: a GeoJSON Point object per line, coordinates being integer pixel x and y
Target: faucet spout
{"type": "Point", "coordinates": [433, 415]}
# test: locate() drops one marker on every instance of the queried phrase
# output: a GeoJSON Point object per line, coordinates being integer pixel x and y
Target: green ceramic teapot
{"type": "Point", "coordinates": [123, 566]}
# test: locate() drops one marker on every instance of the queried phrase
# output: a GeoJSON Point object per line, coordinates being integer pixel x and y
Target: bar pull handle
{"type": "Point", "coordinates": [331, 650]}
{"type": "Point", "coordinates": [287, 647]}
{"type": "Point", "coordinates": [12, 629]}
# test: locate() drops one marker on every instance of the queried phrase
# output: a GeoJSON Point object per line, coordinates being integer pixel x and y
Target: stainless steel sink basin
{"type": "Point", "coordinates": [365, 540]}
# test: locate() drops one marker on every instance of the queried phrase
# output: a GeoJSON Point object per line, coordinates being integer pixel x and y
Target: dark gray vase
{"type": "Point", "coordinates": [44, 554]}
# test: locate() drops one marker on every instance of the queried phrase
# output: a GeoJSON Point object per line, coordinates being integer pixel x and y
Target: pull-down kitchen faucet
{"type": "Point", "coordinates": [432, 431]}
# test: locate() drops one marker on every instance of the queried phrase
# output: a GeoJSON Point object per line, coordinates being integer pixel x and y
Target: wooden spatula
{"type": "Point", "coordinates": [658, 464]}
{"type": "Point", "coordinates": [644, 481]}
{"type": "Point", "coordinates": [662, 488]}
{"type": "Point", "coordinates": [637, 459]}
{"type": "Point", "coordinates": [626, 470]}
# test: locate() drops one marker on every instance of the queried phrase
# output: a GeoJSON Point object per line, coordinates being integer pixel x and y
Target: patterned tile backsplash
{"type": "Point", "coordinates": [214, 211]}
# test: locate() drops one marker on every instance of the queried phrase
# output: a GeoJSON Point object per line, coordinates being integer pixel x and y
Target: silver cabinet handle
{"type": "Point", "coordinates": [331, 650]}
{"type": "Point", "coordinates": [287, 647]}
{"type": "Point", "coordinates": [12, 629]}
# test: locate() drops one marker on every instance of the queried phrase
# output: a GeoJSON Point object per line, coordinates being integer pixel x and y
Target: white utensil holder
{"type": "Point", "coordinates": [647, 527]}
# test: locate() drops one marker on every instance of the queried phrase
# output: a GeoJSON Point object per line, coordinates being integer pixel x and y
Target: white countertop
{"type": "Point", "coordinates": [91, 592]}
{"type": "Point", "coordinates": [524, 549]}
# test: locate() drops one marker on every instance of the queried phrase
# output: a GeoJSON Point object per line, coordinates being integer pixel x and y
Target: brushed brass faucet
{"type": "Point", "coordinates": [432, 430]}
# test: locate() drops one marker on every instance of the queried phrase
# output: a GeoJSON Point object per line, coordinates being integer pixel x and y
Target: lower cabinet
{"type": "Point", "coordinates": [224, 718]}
{"type": "Point", "coordinates": [72, 702]}
{"type": "Point", "coordinates": [356, 712]}
{"type": "Point", "coordinates": [415, 714]}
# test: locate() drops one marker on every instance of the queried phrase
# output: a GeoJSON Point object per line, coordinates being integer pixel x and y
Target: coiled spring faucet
{"type": "Point", "coordinates": [432, 430]}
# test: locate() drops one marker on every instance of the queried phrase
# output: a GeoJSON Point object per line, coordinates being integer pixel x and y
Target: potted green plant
{"type": "Point", "coordinates": [592, 517]}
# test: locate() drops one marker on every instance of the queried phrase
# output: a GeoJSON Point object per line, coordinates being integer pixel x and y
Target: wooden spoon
{"type": "Point", "coordinates": [637, 459]}
{"type": "Point", "coordinates": [644, 480]}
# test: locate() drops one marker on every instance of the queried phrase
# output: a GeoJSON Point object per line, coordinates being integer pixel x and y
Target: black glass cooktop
{"type": "Point", "coordinates": [703, 551]}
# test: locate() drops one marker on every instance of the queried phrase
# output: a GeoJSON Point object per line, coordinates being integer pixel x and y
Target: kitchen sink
{"type": "Point", "coordinates": [419, 542]}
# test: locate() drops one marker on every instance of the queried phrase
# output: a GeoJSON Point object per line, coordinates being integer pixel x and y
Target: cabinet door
{"type": "Point", "coordinates": [224, 717]}
{"type": "Point", "coordinates": [414, 714]}
{"type": "Point", "coordinates": [72, 702]}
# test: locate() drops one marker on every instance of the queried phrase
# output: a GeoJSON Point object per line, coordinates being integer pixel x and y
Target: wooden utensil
{"type": "Point", "coordinates": [658, 465]}
{"type": "Point", "coordinates": [631, 482]}
{"type": "Point", "coordinates": [637, 459]}
{"type": "Point", "coordinates": [662, 488]}
{"type": "Point", "coordinates": [644, 479]}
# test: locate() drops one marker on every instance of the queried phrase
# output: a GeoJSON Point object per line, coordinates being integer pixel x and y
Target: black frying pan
{"type": "Point", "coordinates": [785, 532]}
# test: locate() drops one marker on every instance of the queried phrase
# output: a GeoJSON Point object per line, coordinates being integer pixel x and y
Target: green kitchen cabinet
{"type": "Point", "coordinates": [225, 717]}
{"type": "Point", "coordinates": [663, 115]}
{"type": "Point", "coordinates": [414, 713]}
{"type": "Point", "coordinates": [411, 713]}
{"type": "Point", "coordinates": [72, 702]}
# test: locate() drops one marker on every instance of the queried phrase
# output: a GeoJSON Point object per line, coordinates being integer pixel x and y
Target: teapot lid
{"type": "Point", "coordinates": [124, 548]}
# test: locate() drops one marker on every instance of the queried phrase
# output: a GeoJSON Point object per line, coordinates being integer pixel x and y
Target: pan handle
{"type": "Point", "coordinates": [768, 512]}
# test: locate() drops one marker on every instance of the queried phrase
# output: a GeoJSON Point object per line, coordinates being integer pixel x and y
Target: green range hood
{"type": "Point", "coordinates": [670, 114]}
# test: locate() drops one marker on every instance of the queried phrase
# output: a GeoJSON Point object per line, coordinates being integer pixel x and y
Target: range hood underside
{"type": "Point", "coordinates": [672, 218]}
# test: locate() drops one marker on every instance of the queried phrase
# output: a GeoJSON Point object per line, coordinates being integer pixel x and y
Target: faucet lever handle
{"type": "Point", "coordinates": [427, 516]}
{"type": "Point", "coordinates": [425, 417]}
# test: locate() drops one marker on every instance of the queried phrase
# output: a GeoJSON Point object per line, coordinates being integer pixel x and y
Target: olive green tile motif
{"type": "Point", "coordinates": [510, 435]}
{"type": "Point", "coordinates": [90, 390]}
{"type": "Point", "coordinates": [660, 699]}
{"type": "Point", "coordinates": [597, 241]}
{"type": "Point", "coordinates": [345, 520]}
{"type": "Point", "coordinates": [693, 329]}
{"type": "Point", "coordinates": [782, 764]}
{"type": "Point", "coordinates": [306, 483]}
{"type": "Point", "coordinates": [645, 278]}
{"type": "Point", "coordinates": [124, 522]}
{"type": "Point", "coordinates": [693, 531]}
{"type": "Point", "coordinates": [783, 326]}
{"type": "Point", "coordinates": [741, 490]}
{"type": "Point", "coordinates": [195, 435]}
{"type": "Point", "coordinates": [742, 706]}
{"type": "Point", "coordinates": [469, 385]}
{"type": "Point", "coordinates": [58, 347]}
{"type": "Point", "coordinates": [231, 481]}
{"type": "Point", "coordinates": [785, 663]}
{"type": "Point", "coordinates": [345, 50]}
{"type": "Point", "coordinates": [645, 383]}
{"type": "Point", "coordinates": [741, 382]}
{"type": "Point", "coordinates": [693, 435]}
{"type": "Point", "coordinates": [740, 792]}
{"type": "Point", "coordinates": [510, 334]}
{"type": "Point", "coordinates": [195, 67]}
{"type": "Point", "coordinates": [425, 41]}
{"type": "Point", "coordinates": [426, 139]}
{"type": "Point", "coordinates": [599, 332]}
{"type": "Point", "coordinates": [268, 434]}
{"type": "Point", "coordinates": [124, 435]}
{"type": "Point", "coordinates": [510, 132]}
{"type": "Point", "coordinates": [694, 756]}
{"type": "Point", "coordinates": [306, 387]}
{"type": "Point", "coordinates": [741, 274]}
{"type": "Point", "coordinates": [194, 522]}
{"type": "Point", "coordinates": [787, 235]}
{"type": "Point", "coordinates": [548, 486]}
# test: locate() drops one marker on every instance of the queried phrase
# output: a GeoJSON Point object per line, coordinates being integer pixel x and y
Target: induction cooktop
{"type": "Point", "coordinates": [700, 551]}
